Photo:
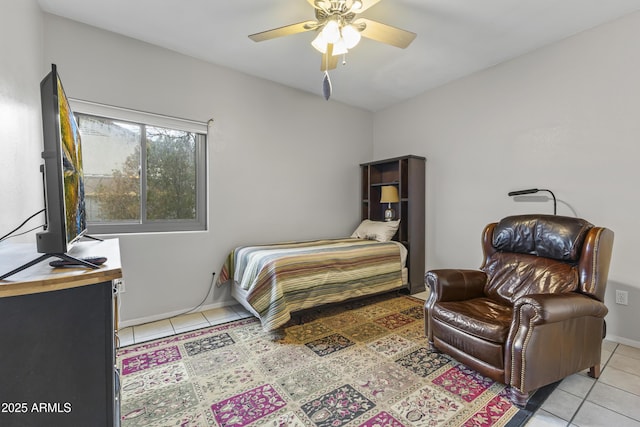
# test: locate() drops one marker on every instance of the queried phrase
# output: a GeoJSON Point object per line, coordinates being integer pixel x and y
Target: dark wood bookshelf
{"type": "Point", "coordinates": [407, 173]}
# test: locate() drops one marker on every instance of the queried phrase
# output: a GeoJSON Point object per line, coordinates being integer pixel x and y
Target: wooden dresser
{"type": "Point", "coordinates": [57, 339]}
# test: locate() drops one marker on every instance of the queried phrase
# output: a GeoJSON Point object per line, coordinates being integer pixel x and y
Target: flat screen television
{"type": "Point", "coordinates": [66, 216]}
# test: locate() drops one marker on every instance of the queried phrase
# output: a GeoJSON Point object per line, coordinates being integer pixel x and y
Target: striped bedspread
{"type": "Point", "coordinates": [286, 277]}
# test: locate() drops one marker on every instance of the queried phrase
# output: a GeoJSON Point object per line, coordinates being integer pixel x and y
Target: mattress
{"type": "Point", "coordinates": [272, 281]}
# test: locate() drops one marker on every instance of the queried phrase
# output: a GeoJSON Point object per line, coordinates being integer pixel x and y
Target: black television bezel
{"type": "Point", "coordinates": [54, 240]}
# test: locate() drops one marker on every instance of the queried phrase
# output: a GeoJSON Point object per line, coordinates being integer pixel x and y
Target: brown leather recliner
{"type": "Point", "coordinates": [533, 313]}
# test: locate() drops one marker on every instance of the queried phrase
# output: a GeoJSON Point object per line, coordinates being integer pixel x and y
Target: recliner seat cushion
{"type": "Point", "coordinates": [481, 317]}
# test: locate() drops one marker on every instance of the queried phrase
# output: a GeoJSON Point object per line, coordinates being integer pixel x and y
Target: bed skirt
{"type": "Point", "coordinates": [240, 295]}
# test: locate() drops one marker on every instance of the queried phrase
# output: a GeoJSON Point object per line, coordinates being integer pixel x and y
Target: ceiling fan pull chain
{"type": "Point", "coordinates": [344, 59]}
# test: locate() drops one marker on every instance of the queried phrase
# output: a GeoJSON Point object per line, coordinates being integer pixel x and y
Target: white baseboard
{"type": "Point", "coordinates": [625, 341]}
{"type": "Point", "coordinates": [162, 316]}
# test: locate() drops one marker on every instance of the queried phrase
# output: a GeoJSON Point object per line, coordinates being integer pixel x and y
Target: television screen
{"type": "Point", "coordinates": [66, 219]}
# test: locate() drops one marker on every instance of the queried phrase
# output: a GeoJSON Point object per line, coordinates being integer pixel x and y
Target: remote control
{"type": "Point", "coordinates": [95, 260]}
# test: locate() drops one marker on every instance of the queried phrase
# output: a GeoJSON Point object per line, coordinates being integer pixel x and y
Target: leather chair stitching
{"type": "Point", "coordinates": [513, 362]}
{"type": "Point", "coordinates": [594, 273]}
{"type": "Point", "coordinates": [524, 348]}
{"type": "Point", "coordinates": [524, 351]}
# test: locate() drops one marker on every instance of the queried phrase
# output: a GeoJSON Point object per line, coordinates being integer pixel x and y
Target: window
{"type": "Point", "coordinates": [143, 172]}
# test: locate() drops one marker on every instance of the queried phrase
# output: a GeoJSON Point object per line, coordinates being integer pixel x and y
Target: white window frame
{"type": "Point", "coordinates": [151, 119]}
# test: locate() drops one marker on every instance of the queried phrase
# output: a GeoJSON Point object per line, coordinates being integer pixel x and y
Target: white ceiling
{"type": "Point", "coordinates": [455, 38]}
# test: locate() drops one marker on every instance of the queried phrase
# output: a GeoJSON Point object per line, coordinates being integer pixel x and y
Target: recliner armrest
{"type": "Point", "coordinates": [451, 285]}
{"type": "Point", "coordinates": [455, 284]}
{"type": "Point", "coordinates": [552, 308]}
{"type": "Point", "coordinates": [551, 337]}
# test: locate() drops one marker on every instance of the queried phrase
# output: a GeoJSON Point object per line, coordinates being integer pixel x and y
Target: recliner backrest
{"type": "Point", "coordinates": [532, 254]}
{"type": "Point", "coordinates": [550, 236]}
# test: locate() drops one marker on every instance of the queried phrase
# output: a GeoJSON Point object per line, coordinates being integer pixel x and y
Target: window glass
{"type": "Point", "coordinates": [171, 174]}
{"type": "Point", "coordinates": [111, 157]}
{"type": "Point", "coordinates": [142, 177]}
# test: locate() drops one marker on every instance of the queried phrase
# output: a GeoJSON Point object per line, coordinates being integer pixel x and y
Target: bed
{"type": "Point", "coordinates": [274, 280]}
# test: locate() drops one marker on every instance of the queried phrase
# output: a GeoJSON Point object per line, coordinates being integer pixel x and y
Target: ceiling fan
{"type": "Point", "coordinates": [339, 29]}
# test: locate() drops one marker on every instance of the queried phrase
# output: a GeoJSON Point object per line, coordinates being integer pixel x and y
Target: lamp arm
{"type": "Point", "coordinates": [554, 199]}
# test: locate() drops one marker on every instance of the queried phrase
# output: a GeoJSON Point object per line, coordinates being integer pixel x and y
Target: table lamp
{"type": "Point", "coordinates": [389, 195]}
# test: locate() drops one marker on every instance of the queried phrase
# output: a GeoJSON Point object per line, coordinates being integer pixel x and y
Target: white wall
{"type": "Point", "coordinates": [283, 164]}
{"type": "Point", "coordinates": [565, 117]}
{"type": "Point", "coordinates": [21, 69]}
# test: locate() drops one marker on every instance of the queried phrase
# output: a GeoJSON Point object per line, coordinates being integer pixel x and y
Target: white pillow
{"type": "Point", "coordinates": [382, 231]}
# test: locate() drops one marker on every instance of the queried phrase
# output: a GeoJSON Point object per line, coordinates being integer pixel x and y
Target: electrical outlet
{"type": "Point", "coordinates": [119, 285]}
{"type": "Point", "coordinates": [622, 297]}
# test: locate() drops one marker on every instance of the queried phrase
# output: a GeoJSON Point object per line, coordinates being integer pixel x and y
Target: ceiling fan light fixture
{"type": "Point", "coordinates": [331, 31]}
{"type": "Point", "coordinates": [340, 47]}
{"type": "Point", "coordinates": [351, 36]}
{"type": "Point", "coordinates": [319, 43]}
{"type": "Point", "coordinates": [338, 30]}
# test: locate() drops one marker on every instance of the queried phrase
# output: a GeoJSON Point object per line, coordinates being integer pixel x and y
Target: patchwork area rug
{"type": "Point", "coordinates": [363, 363]}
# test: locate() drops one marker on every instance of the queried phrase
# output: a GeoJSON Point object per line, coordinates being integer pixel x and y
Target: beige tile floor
{"type": "Point", "coordinates": [612, 400]}
{"type": "Point", "coordinates": [175, 325]}
{"type": "Point", "coordinates": [579, 401]}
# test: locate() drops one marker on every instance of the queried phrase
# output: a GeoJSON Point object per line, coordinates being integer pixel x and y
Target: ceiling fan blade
{"type": "Point", "coordinates": [366, 4]}
{"type": "Point", "coordinates": [329, 62]}
{"type": "Point", "coordinates": [316, 4]}
{"type": "Point", "coordinates": [287, 30]}
{"type": "Point", "coordinates": [386, 33]}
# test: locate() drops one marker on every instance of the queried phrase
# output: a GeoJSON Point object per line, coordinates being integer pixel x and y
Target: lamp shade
{"type": "Point", "coordinates": [389, 194]}
{"type": "Point", "coordinates": [351, 36]}
{"type": "Point", "coordinates": [339, 48]}
{"type": "Point", "coordinates": [319, 43]}
{"type": "Point", "coordinates": [331, 31]}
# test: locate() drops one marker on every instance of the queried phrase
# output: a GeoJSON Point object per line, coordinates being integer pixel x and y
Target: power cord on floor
{"type": "Point", "coordinates": [213, 276]}
{"type": "Point", "coordinates": [200, 304]}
